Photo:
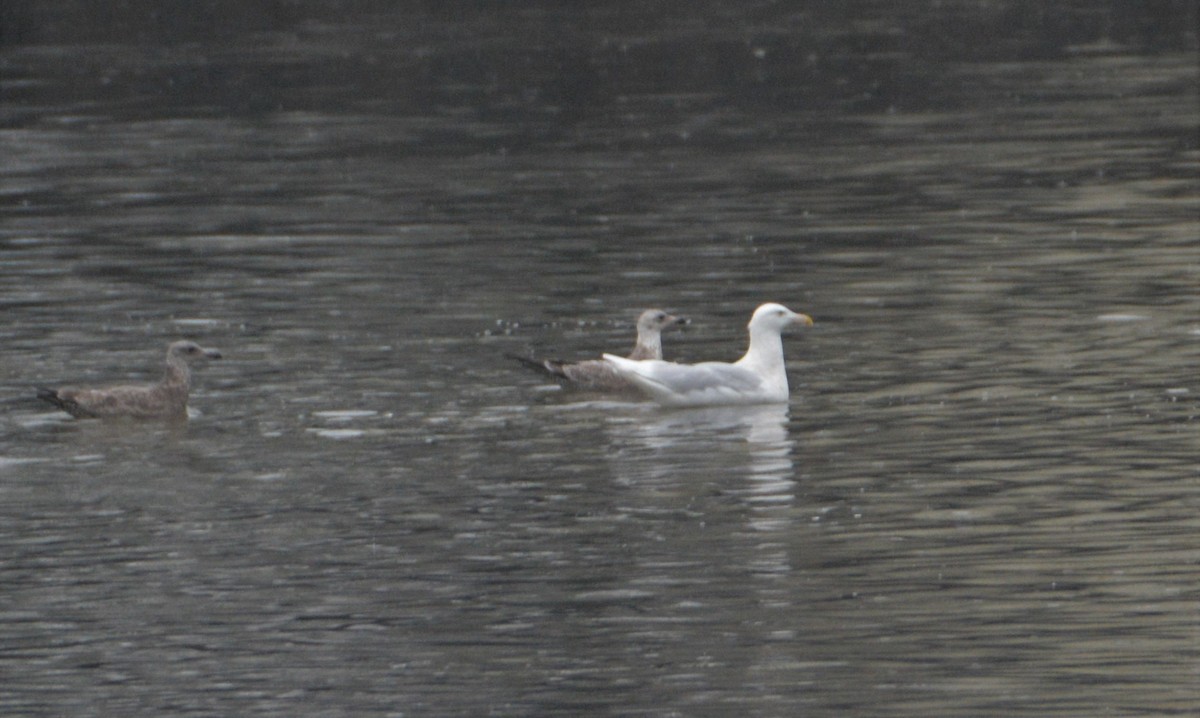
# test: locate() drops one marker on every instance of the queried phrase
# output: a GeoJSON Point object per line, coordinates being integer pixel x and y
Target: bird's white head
{"type": "Point", "coordinates": [776, 317]}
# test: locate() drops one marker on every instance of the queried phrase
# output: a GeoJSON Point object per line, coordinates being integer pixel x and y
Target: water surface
{"type": "Point", "coordinates": [981, 500]}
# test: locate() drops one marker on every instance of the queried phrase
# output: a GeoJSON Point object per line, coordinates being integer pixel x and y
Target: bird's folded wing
{"type": "Point", "coordinates": [686, 379]}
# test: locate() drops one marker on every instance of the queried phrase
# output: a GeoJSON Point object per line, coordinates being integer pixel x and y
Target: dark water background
{"type": "Point", "coordinates": [983, 499]}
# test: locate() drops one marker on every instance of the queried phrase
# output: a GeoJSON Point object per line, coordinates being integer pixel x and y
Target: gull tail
{"type": "Point", "coordinates": [68, 405]}
{"type": "Point", "coordinates": [628, 369]}
{"type": "Point", "coordinates": [51, 395]}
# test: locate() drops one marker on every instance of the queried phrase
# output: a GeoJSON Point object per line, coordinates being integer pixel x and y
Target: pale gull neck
{"type": "Point", "coordinates": [649, 346]}
{"type": "Point", "coordinates": [765, 357]}
{"type": "Point", "coordinates": [177, 372]}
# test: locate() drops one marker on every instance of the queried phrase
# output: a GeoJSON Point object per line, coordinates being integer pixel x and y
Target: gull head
{"type": "Point", "coordinates": [776, 318]}
{"type": "Point", "coordinates": [656, 320]}
{"type": "Point", "coordinates": [190, 351]}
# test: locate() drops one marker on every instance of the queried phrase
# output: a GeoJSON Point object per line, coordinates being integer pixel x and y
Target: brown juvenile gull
{"type": "Point", "coordinates": [599, 375]}
{"type": "Point", "coordinates": [165, 400]}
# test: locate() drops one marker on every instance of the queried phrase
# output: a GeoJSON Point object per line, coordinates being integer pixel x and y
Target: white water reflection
{"type": "Point", "coordinates": [751, 446]}
{"type": "Point", "coordinates": [742, 452]}
{"type": "Point", "coordinates": [660, 429]}
{"type": "Point", "coordinates": [650, 442]}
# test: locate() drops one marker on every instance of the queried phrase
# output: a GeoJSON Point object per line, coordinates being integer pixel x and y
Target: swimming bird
{"type": "Point", "coordinates": [759, 377]}
{"type": "Point", "coordinates": [165, 400]}
{"type": "Point", "coordinates": [598, 374]}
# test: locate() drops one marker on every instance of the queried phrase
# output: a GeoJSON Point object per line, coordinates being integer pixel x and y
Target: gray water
{"type": "Point", "coordinates": [981, 500]}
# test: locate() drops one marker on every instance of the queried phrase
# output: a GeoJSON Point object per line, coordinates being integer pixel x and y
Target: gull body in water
{"type": "Point", "coordinates": [759, 377]}
{"type": "Point", "coordinates": [165, 400]}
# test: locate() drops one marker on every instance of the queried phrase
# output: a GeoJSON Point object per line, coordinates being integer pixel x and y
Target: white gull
{"type": "Point", "coordinates": [759, 377]}
{"type": "Point", "coordinates": [165, 400]}
{"type": "Point", "coordinates": [600, 375]}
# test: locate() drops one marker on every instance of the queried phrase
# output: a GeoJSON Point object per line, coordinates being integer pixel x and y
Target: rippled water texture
{"type": "Point", "coordinates": [982, 500]}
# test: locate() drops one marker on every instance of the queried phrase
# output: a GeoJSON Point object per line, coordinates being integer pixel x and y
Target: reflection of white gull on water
{"type": "Point", "coordinates": [759, 377]}
{"type": "Point", "coordinates": [165, 400]}
{"type": "Point", "coordinates": [748, 440]}
{"type": "Point", "coordinates": [757, 424]}
{"type": "Point", "coordinates": [598, 374]}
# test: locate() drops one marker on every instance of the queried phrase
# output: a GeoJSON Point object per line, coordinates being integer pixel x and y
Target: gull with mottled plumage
{"type": "Point", "coordinates": [759, 377]}
{"type": "Point", "coordinates": [165, 400]}
{"type": "Point", "coordinates": [596, 374]}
